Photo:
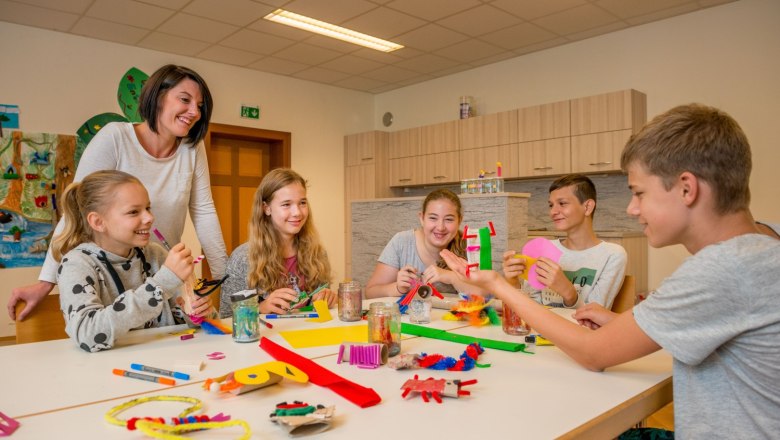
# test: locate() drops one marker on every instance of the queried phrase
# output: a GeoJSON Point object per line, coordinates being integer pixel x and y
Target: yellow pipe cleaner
{"type": "Point", "coordinates": [111, 414]}
{"type": "Point", "coordinates": [161, 430]}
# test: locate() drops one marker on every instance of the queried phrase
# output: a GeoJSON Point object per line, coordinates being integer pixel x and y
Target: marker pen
{"type": "Point", "coordinates": [294, 315]}
{"type": "Point", "coordinates": [162, 380]}
{"type": "Point", "coordinates": [160, 371]}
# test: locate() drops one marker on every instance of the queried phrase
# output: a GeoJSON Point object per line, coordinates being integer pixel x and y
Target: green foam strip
{"type": "Point", "coordinates": [485, 251]}
{"type": "Point", "coordinates": [434, 333]}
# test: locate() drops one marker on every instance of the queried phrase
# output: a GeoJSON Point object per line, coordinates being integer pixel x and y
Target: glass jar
{"type": "Point", "coordinates": [350, 301]}
{"type": "Point", "coordinates": [512, 323]}
{"type": "Point", "coordinates": [384, 326]}
{"type": "Point", "coordinates": [246, 327]}
{"type": "Point", "coordinates": [420, 306]}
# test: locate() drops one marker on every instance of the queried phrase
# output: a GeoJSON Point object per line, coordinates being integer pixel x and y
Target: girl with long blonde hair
{"type": "Point", "coordinates": [284, 255]}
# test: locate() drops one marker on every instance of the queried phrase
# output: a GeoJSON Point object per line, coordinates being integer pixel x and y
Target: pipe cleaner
{"type": "Point", "coordinates": [475, 309]}
{"type": "Point", "coordinates": [156, 428]}
{"type": "Point", "coordinates": [466, 361]}
{"type": "Point", "coordinates": [418, 289]}
{"type": "Point", "coordinates": [436, 388]}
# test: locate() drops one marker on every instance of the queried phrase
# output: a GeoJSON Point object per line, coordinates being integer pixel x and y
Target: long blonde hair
{"type": "Point", "coordinates": [93, 194]}
{"type": "Point", "coordinates": [266, 261]}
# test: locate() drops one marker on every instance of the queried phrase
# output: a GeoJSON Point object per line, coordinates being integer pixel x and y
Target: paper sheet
{"type": "Point", "coordinates": [319, 337]}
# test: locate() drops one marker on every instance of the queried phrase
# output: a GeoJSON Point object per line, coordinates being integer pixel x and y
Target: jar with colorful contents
{"type": "Point", "coordinates": [384, 326]}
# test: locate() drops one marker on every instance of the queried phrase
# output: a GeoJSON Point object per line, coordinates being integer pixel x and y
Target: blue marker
{"type": "Point", "coordinates": [294, 315]}
{"type": "Point", "coordinates": [160, 371]}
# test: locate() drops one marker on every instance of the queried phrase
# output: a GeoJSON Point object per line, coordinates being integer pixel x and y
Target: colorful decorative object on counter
{"type": "Point", "coordinates": [299, 418]}
{"type": "Point", "coordinates": [436, 388]}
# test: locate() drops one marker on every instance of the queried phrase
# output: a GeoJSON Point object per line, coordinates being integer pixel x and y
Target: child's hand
{"type": "Point", "coordinates": [593, 315]}
{"type": "Point", "coordinates": [485, 279]}
{"type": "Point", "coordinates": [326, 294]}
{"type": "Point", "coordinates": [202, 307]}
{"type": "Point", "coordinates": [512, 267]}
{"type": "Point", "coordinates": [404, 279]}
{"type": "Point", "coordinates": [278, 301]}
{"type": "Point", "coordinates": [551, 275]}
{"type": "Point", "coordinates": [179, 261]}
{"type": "Point", "coordinates": [435, 274]}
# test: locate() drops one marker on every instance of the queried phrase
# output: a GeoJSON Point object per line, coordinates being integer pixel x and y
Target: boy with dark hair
{"type": "Point", "coordinates": [718, 314]}
{"type": "Point", "coordinates": [590, 270]}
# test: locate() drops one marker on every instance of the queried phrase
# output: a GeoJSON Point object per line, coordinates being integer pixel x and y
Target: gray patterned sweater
{"type": "Point", "coordinates": [100, 307]}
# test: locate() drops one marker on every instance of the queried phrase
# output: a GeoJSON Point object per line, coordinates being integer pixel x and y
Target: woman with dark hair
{"type": "Point", "coordinates": [167, 154]}
{"type": "Point", "coordinates": [413, 256]}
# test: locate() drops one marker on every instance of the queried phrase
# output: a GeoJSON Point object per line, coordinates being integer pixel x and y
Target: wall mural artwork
{"type": "Point", "coordinates": [37, 167]}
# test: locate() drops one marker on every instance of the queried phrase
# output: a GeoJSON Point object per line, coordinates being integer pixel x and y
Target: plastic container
{"type": "Point", "coordinates": [512, 323]}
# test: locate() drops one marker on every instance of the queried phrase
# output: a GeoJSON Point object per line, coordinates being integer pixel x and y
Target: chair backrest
{"type": "Point", "coordinates": [44, 323]}
{"type": "Point", "coordinates": [626, 296]}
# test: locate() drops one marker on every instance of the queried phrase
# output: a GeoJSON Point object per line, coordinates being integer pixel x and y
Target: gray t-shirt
{"type": "Point", "coordinates": [401, 250]}
{"type": "Point", "coordinates": [719, 317]}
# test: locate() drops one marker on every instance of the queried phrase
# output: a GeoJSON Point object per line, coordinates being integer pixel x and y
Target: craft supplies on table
{"type": "Point", "coordinates": [512, 323]}
{"type": "Point", "coordinates": [384, 326]}
{"type": "Point", "coordinates": [350, 301]}
{"type": "Point", "coordinates": [246, 324]}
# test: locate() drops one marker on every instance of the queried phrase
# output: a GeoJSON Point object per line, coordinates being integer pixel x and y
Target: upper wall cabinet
{"type": "Point", "coordinates": [488, 130]}
{"type": "Point", "coordinates": [404, 143]}
{"type": "Point", "coordinates": [623, 110]}
{"type": "Point", "coordinates": [361, 148]}
{"type": "Point", "coordinates": [598, 152]}
{"type": "Point", "coordinates": [546, 121]}
{"type": "Point", "coordinates": [439, 138]}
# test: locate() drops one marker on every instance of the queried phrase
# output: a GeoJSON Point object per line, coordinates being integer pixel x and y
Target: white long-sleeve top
{"type": "Point", "coordinates": [176, 185]}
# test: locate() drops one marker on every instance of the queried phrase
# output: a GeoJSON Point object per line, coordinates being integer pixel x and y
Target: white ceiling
{"type": "Point", "coordinates": [442, 37]}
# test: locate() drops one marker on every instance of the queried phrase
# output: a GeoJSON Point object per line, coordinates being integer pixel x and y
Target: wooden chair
{"type": "Point", "coordinates": [44, 323]}
{"type": "Point", "coordinates": [626, 296]}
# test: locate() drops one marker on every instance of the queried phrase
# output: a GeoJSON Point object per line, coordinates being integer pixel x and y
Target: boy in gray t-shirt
{"type": "Point", "coordinates": [718, 314]}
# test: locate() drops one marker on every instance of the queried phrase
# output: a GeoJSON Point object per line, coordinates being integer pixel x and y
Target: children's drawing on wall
{"type": "Point", "coordinates": [9, 117]}
{"type": "Point", "coordinates": [35, 170]}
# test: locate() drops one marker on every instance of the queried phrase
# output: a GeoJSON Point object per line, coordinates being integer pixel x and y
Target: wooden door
{"type": "Point", "coordinates": [238, 158]}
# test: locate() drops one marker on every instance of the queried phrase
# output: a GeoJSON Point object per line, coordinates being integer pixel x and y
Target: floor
{"type": "Point", "coordinates": [663, 418]}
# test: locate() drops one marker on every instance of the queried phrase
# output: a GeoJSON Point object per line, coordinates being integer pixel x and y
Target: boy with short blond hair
{"type": "Point", "coordinates": [719, 313]}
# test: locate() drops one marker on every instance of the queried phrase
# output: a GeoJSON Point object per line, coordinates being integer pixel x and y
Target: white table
{"type": "Point", "coordinates": [54, 388]}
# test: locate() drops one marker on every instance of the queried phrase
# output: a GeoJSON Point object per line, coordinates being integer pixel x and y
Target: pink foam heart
{"type": "Point", "coordinates": [537, 248]}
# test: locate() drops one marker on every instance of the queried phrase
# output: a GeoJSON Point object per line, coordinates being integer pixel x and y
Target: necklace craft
{"type": "Point", "coordinates": [466, 361]}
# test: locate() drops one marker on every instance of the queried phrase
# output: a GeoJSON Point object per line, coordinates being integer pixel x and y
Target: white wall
{"type": "Point", "coordinates": [60, 80]}
{"type": "Point", "coordinates": [725, 56]}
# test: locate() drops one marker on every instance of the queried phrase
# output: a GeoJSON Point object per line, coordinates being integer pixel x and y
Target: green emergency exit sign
{"type": "Point", "coordinates": [250, 111]}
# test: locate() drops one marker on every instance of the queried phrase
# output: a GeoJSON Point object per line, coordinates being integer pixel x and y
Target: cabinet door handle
{"type": "Point", "coordinates": [370, 158]}
{"type": "Point", "coordinates": [595, 164]}
{"type": "Point", "coordinates": [489, 172]}
{"type": "Point", "coordinates": [542, 168]}
{"type": "Point", "coordinates": [404, 180]}
{"type": "Point", "coordinates": [439, 177]}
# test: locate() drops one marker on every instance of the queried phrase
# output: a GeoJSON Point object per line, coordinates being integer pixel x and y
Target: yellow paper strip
{"type": "Point", "coordinates": [321, 307]}
{"type": "Point", "coordinates": [319, 337]}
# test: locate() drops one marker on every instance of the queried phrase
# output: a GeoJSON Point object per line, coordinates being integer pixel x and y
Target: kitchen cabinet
{"type": "Point", "coordinates": [406, 171]}
{"type": "Point", "coordinates": [477, 159]}
{"type": "Point", "coordinates": [441, 168]}
{"type": "Point", "coordinates": [546, 121]}
{"type": "Point", "coordinates": [547, 157]}
{"type": "Point", "coordinates": [598, 152]}
{"type": "Point", "coordinates": [488, 130]}
{"type": "Point", "coordinates": [404, 143]}
{"type": "Point", "coordinates": [622, 110]}
{"type": "Point", "coordinates": [439, 138]}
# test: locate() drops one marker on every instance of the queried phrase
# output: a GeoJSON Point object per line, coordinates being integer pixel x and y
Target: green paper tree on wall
{"type": "Point", "coordinates": [127, 96]}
